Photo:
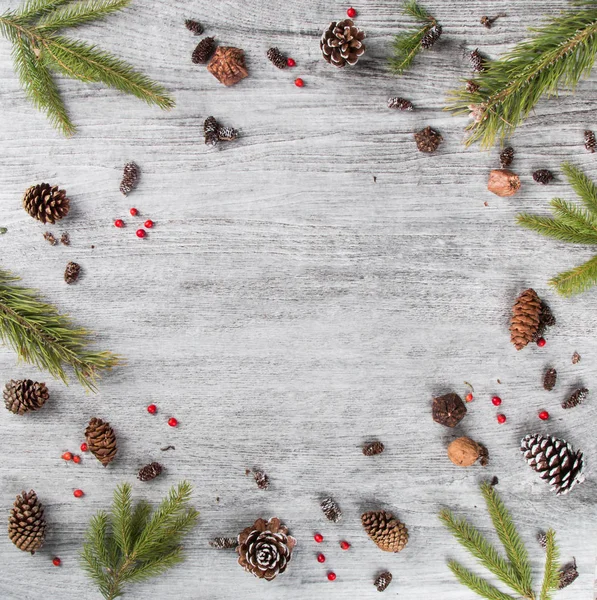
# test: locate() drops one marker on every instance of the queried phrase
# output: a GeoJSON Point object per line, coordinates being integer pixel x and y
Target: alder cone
{"type": "Point", "coordinates": [342, 43]}
{"type": "Point", "coordinates": [24, 395]}
{"type": "Point", "coordinates": [101, 440]}
{"type": "Point", "coordinates": [526, 316]}
{"type": "Point", "coordinates": [46, 203]}
{"type": "Point", "coordinates": [390, 534]}
{"type": "Point", "coordinates": [26, 523]}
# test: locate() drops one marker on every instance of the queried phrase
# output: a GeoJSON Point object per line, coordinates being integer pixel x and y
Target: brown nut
{"type": "Point", "coordinates": [503, 182]}
{"type": "Point", "coordinates": [465, 452]}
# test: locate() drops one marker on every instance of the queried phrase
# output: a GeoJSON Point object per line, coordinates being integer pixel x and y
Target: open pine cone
{"type": "Point", "coordinates": [265, 548]}
{"type": "Point", "coordinates": [390, 534]}
{"type": "Point", "coordinates": [26, 524]}
{"type": "Point", "coordinates": [24, 395]}
{"type": "Point", "coordinates": [526, 317]}
{"type": "Point", "coordinates": [46, 203]}
{"type": "Point", "coordinates": [342, 43]}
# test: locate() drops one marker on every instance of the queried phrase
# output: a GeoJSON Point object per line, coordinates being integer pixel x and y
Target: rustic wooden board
{"type": "Point", "coordinates": [306, 288]}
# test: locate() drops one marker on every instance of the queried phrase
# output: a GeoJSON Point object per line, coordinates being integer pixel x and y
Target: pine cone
{"type": "Point", "coordinates": [46, 203]}
{"type": "Point", "coordinates": [65, 239]}
{"type": "Point", "coordinates": [525, 318]}
{"type": "Point", "coordinates": [227, 134]}
{"type": "Point", "coordinates": [373, 448]}
{"type": "Point", "coordinates": [265, 548]}
{"type": "Point", "coordinates": [71, 273]}
{"type": "Point", "coordinates": [542, 539]}
{"type": "Point", "coordinates": [431, 36]}
{"type": "Point", "coordinates": [277, 58]}
{"type": "Point", "coordinates": [428, 140]}
{"type": "Point", "coordinates": [472, 87]}
{"type": "Point", "coordinates": [194, 26]}
{"type": "Point", "coordinates": [23, 396]}
{"type": "Point", "coordinates": [227, 65]}
{"type": "Point", "coordinates": [101, 440]}
{"type": "Point", "coordinates": [129, 178]}
{"type": "Point", "coordinates": [150, 471]}
{"type": "Point", "coordinates": [210, 128]}
{"type": "Point", "coordinates": [382, 581]}
{"type": "Point", "coordinates": [590, 142]}
{"type": "Point", "coordinates": [576, 398]}
{"type": "Point", "coordinates": [554, 460]}
{"type": "Point", "coordinates": [203, 50]}
{"type": "Point", "coordinates": [543, 176]}
{"type": "Point", "coordinates": [261, 479]}
{"type": "Point", "coordinates": [576, 358]}
{"type": "Point", "coordinates": [506, 157]}
{"type": "Point", "coordinates": [223, 543]}
{"type": "Point", "coordinates": [331, 509]}
{"type": "Point", "coordinates": [385, 530]}
{"type": "Point", "coordinates": [477, 61]}
{"type": "Point", "coordinates": [342, 43]}
{"type": "Point", "coordinates": [400, 103]}
{"type": "Point", "coordinates": [549, 379]}
{"type": "Point", "coordinates": [49, 237]}
{"type": "Point", "coordinates": [568, 574]}
{"type": "Point", "coordinates": [26, 524]}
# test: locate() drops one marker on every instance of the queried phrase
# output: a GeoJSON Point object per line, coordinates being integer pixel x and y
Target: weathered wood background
{"type": "Point", "coordinates": [306, 288]}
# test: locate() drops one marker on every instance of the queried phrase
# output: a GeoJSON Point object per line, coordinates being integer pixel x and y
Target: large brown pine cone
{"type": "Point", "coordinates": [265, 548]}
{"type": "Point", "coordinates": [342, 43]}
{"type": "Point", "coordinates": [25, 395]}
{"type": "Point", "coordinates": [26, 523]}
{"type": "Point", "coordinates": [101, 440]}
{"type": "Point", "coordinates": [46, 203]}
{"type": "Point", "coordinates": [390, 534]}
{"type": "Point", "coordinates": [526, 316]}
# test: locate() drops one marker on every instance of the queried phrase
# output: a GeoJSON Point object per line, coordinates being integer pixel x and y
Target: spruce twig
{"type": "Point", "coordinates": [551, 577]}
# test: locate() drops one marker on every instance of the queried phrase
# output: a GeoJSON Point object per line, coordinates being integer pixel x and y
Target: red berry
{"type": "Point", "coordinates": [541, 342]}
{"type": "Point", "coordinates": [141, 233]}
{"type": "Point", "coordinates": [56, 561]}
{"type": "Point", "coordinates": [501, 419]}
{"type": "Point", "coordinates": [496, 400]}
{"type": "Point", "coordinates": [299, 82]}
{"type": "Point", "coordinates": [119, 223]}
{"type": "Point", "coordinates": [152, 409]}
{"type": "Point", "coordinates": [78, 493]}
{"type": "Point", "coordinates": [134, 212]}
{"type": "Point", "coordinates": [344, 545]}
{"type": "Point", "coordinates": [76, 459]}
{"type": "Point", "coordinates": [544, 415]}
{"type": "Point", "coordinates": [469, 397]}
{"type": "Point", "coordinates": [172, 422]}
{"type": "Point", "coordinates": [351, 12]}
{"type": "Point", "coordinates": [84, 447]}
{"type": "Point", "coordinates": [318, 538]}
{"type": "Point", "coordinates": [291, 62]}
{"type": "Point", "coordinates": [332, 576]}
{"type": "Point", "coordinates": [320, 558]}
{"type": "Point", "coordinates": [67, 456]}
{"type": "Point", "coordinates": [148, 223]}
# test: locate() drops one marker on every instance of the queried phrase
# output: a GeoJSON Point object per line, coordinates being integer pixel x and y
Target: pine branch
{"type": "Point", "coordinates": [557, 56]}
{"type": "Point", "coordinates": [43, 337]}
{"type": "Point", "coordinates": [75, 15]}
{"type": "Point", "coordinates": [555, 229]}
{"type": "Point", "coordinates": [577, 280]}
{"type": "Point", "coordinates": [551, 577]}
{"type": "Point", "coordinates": [583, 186]}
{"type": "Point", "coordinates": [478, 585]}
{"type": "Point", "coordinates": [574, 216]}
{"type": "Point", "coordinates": [33, 9]}
{"type": "Point", "coordinates": [121, 516]}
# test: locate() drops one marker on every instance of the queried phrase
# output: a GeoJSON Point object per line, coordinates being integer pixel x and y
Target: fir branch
{"type": "Point", "coordinates": [45, 338]}
{"type": "Point", "coordinates": [75, 15]}
{"type": "Point", "coordinates": [577, 280]}
{"type": "Point", "coordinates": [557, 56]}
{"type": "Point", "coordinates": [574, 216]}
{"type": "Point", "coordinates": [478, 585]}
{"type": "Point", "coordinates": [583, 186]}
{"type": "Point", "coordinates": [556, 229]}
{"type": "Point", "coordinates": [551, 577]}
{"type": "Point", "coordinates": [33, 9]}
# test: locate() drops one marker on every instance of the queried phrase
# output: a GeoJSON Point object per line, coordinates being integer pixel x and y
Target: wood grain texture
{"type": "Point", "coordinates": [306, 288]}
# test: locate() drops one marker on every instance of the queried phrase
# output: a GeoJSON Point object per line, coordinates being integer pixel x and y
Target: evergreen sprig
{"type": "Point", "coordinates": [39, 52]}
{"type": "Point", "coordinates": [574, 224]}
{"type": "Point", "coordinates": [408, 44]}
{"type": "Point", "coordinates": [40, 335]}
{"type": "Point", "coordinates": [557, 56]}
{"type": "Point", "coordinates": [514, 570]}
{"type": "Point", "coordinates": [130, 545]}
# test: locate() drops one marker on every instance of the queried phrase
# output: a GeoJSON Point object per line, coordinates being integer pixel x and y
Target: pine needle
{"type": "Point", "coordinates": [577, 280]}
{"type": "Point", "coordinates": [551, 577]}
{"type": "Point", "coordinates": [478, 585]}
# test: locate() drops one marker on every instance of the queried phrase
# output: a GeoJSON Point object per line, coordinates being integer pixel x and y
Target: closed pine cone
{"type": "Point", "coordinates": [150, 471]}
{"type": "Point", "coordinates": [506, 157]}
{"type": "Point", "coordinates": [130, 178]}
{"type": "Point", "coordinates": [277, 58]}
{"type": "Point", "coordinates": [373, 448]}
{"type": "Point", "coordinates": [227, 134]}
{"type": "Point", "coordinates": [390, 534]}
{"type": "Point", "coordinates": [431, 36]}
{"type": "Point", "coordinates": [568, 574]}
{"type": "Point", "coordinates": [265, 548]}
{"type": "Point", "coordinates": [26, 523]}
{"type": "Point", "coordinates": [526, 314]}
{"type": "Point", "coordinates": [590, 141]}
{"type": "Point", "coordinates": [203, 50]}
{"type": "Point", "coordinates": [576, 398]}
{"type": "Point", "coordinates": [72, 272]}
{"type": "Point", "coordinates": [46, 203]}
{"type": "Point", "coordinates": [101, 440]}
{"type": "Point", "coordinates": [477, 61]}
{"type": "Point", "coordinates": [194, 26]}
{"type": "Point", "coordinates": [342, 43]}
{"type": "Point", "coordinates": [330, 509]}
{"type": "Point", "coordinates": [24, 395]}
{"type": "Point", "coordinates": [400, 103]}
{"type": "Point", "coordinates": [382, 581]}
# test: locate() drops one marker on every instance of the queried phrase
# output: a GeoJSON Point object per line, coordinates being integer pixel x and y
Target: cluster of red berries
{"type": "Point", "coordinates": [501, 418]}
{"type": "Point", "coordinates": [141, 233]}
{"type": "Point", "coordinates": [152, 409]}
{"type": "Point", "coordinates": [321, 557]}
{"type": "Point", "coordinates": [68, 456]}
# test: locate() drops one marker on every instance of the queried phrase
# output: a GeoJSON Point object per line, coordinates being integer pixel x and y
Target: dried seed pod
{"type": "Point", "coordinates": [65, 239]}
{"type": "Point", "coordinates": [331, 509]}
{"type": "Point", "coordinates": [590, 142]}
{"type": "Point", "coordinates": [49, 237]}
{"type": "Point", "coordinates": [549, 379]}
{"type": "Point", "coordinates": [503, 182]}
{"type": "Point", "coordinates": [448, 410]}
{"type": "Point", "coordinates": [373, 448]}
{"type": "Point", "coordinates": [464, 452]}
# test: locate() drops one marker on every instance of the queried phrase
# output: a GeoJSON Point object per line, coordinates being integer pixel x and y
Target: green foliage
{"type": "Point", "coordinates": [574, 224]}
{"type": "Point", "coordinates": [557, 56]}
{"type": "Point", "coordinates": [514, 570]}
{"type": "Point", "coordinates": [45, 338]}
{"type": "Point", "coordinates": [130, 545]}
{"type": "Point", "coordinates": [408, 44]}
{"type": "Point", "coordinates": [39, 52]}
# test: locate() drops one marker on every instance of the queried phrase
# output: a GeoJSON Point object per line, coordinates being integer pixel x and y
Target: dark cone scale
{"type": "Point", "coordinates": [568, 575]}
{"type": "Point", "coordinates": [431, 36]}
{"type": "Point", "coordinates": [72, 272]}
{"type": "Point", "coordinates": [550, 379]}
{"type": "Point", "coordinates": [331, 510]}
{"type": "Point", "coordinates": [194, 26]}
{"type": "Point", "coordinates": [150, 471]}
{"type": "Point", "coordinates": [101, 440]}
{"type": "Point", "coordinates": [554, 460]}
{"type": "Point", "coordinates": [590, 141]}
{"type": "Point", "coordinates": [342, 43]}
{"type": "Point", "coordinates": [448, 410]}
{"type": "Point", "coordinates": [373, 448]}
{"type": "Point", "coordinates": [543, 176]}
{"type": "Point", "coordinates": [382, 581]}
{"type": "Point", "coordinates": [390, 534]}
{"type": "Point", "coordinates": [526, 314]}
{"type": "Point", "coordinates": [428, 140]}
{"type": "Point", "coordinates": [506, 157]}
{"type": "Point", "coordinates": [46, 203]}
{"type": "Point", "coordinates": [204, 50]}
{"type": "Point", "coordinates": [277, 58]}
{"type": "Point", "coordinates": [578, 397]}
{"type": "Point", "coordinates": [400, 103]}
{"type": "Point", "coordinates": [26, 523]}
{"type": "Point", "coordinates": [24, 395]}
{"type": "Point", "coordinates": [130, 177]}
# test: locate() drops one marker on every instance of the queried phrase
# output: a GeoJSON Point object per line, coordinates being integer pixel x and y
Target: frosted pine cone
{"type": "Point", "coordinates": [568, 575]}
{"type": "Point", "coordinates": [227, 134]}
{"type": "Point", "coordinates": [373, 448]}
{"type": "Point", "coordinates": [576, 398]}
{"type": "Point", "coordinates": [331, 509]}
{"type": "Point", "coordinates": [400, 103]}
{"type": "Point", "coordinates": [129, 178]}
{"type": "Point", "coordinates": [72, 272]}
{"type": "Point", "coordinates": [431, 37]}
{"type": "Point", "coordinates": [342, 43]}
{"type": "Point", "coordinates": [477, 61]}
{"type": "Point", "coordinates": [277, 58]}
{"type": "Point", "coordinates": [590, 142]}
{"type": "Point", "coordinates": [223, 543]}
{"type": "Point", "coordinates": [382, 581]}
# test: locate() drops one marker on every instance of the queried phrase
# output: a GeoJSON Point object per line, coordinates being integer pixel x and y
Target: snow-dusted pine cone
{"type": "Point", "coordinates": [382, 581]}
{"type": "Point", "coordinates": [431, 36]}
{"type": "Point", "coordinates": [590, 141]}
{"type": "Point", "coordinates": [342, 43]}
{"type": "Point", "coordinates": [579, 396]}
{"type": "Point", "coordinates": [477, 61]}
{"type": "Point", "coordinates": [400, 103]}
{"type": "Point", "coordinates": [130, 178]}
{"type": "Point", "coordinates": [331, 510]}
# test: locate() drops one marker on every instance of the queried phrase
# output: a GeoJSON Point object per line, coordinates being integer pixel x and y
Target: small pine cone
{"type": "Point", "coordinates": [382, 581]}
{"type": "Point", "coordinates": [373, 448]}
{"type": "Point", "coordinates": [23, 396]}
{"type": "Point", "coordinates": [204, 50]}
{"type": "Point", "coordinates": [506, 157]}
{"type": "Point", "coordinates": [26, 523]}
{"type": "Point", "coordinates": [331, 509]}
{"type": "Point", "coordinates": [400, 103]}
{"type": "Point", "coordinates": [130, 177]}
{"type": "Point", "coordinates": [223, 543]}
{"type": "Point", "coordinates": [525, 318]}
{"type": "Point", "coordinates": [428, 140]}
{"type": "Point", "coordinates": [65, 239]}
{"type": "Point", "coordinates": [101, 440]}
{"type": "Point", "coordinates": [210, 125]}
{"type": "Point", "coordinates": [543, 176]}
{"type": "Point", "coordinates": [261, 479]}
{"type": "Point", "coordinates": [150, 471]}
{"type": "Point", "coordinates": [46, 203]}
{"type": "Point", "coordinates": [277, 58]}
{"type": "Point", "coordinates": [227, 134]}
{"type": "Point", "coordinates": [194, 26]}
{"type": "Point", "coordinates": [546, 319]}
{"type": "Point", "coordinates": [477, 61]}
{"type": "Point", "coordinates": [576, 398]}
{"type": "Point", "coordinates": [486, 21]}
{"type": "Point", "coordinates": [568, 574]}
{"type": "Point", "coordinates": [72, 272]}
{"type": "Point", "coordinates": [542, 539]}
{"type": "Point", "coordinates": [50, 238]}
{"type": "Point", "coordinates": [472, 87]}
{"type": "Point", "coordinates": [590, 142]}
{"type": "Point", "coordinates": [431, 37]}
{"type": "Point", "coordinates": [390, 534]}
{"type": "Point", "coordinates": [549, 379]}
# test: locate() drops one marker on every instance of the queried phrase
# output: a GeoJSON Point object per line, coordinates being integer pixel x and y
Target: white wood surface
{"type": "Point", "coordinates": [306, 288]}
